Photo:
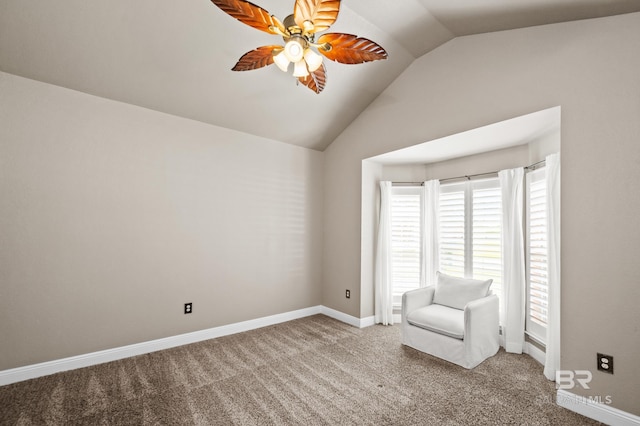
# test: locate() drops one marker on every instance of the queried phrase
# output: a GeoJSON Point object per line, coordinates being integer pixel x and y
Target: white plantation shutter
{"type": "Point", "coordinates": [405, 239]}
{"type": "Point", "coordinates": [470, 230]}
{"type": "Point", "coordinates": [487, 236]}
{"type": "Point", "coordinates": [537, 277]}
{"type": "Point", "coordinates": [452, 230]}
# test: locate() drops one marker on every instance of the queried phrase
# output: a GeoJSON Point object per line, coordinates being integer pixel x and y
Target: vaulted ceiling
{"type": "Point", "coordinates": [176, 56]}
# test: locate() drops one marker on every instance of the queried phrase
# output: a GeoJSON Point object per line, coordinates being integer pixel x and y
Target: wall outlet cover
{"type": "Point", "coordinates": [605, 363]}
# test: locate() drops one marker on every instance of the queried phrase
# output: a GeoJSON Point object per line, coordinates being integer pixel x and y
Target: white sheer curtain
{"type": "Point", "coordinates": [430, 235]}
{"type": "Point", "coordinates": [513, 269]}
{"type": "Point", "coordinates": [383, 285]}
{"type": "Point", "coordinates": [552, 355]}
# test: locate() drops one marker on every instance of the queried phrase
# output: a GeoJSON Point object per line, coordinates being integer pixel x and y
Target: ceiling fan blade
{"type": "Point", "coordinates": [321, 13]}
{"type": "Point", "coordinates": [350, 49]}
{"type": "Point", "coordinates": [250, 14]}
{"type": "Point", "coordinates": [257, 58]}
{"type": "Point", "coordinates": [315, 80]}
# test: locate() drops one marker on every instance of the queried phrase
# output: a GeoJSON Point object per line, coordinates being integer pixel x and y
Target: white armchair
{"type": "Point", "coordinates": [456, 320]}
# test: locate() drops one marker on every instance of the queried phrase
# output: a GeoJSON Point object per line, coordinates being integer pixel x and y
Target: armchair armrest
{"type": "Point", "coordinates": [482, 318]}
{"type": "Point", "coordinates": [414, 299]}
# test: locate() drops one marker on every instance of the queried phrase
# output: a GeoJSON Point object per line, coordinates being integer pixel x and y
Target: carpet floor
{"type": "Point", "coordinates": [311, 371]}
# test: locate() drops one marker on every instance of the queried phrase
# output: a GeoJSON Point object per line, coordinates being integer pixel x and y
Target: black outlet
{"type": "Point", "coordinates": [188, 308]}
{"type": "Point", "coordinates": [348, 294]}
{"type": "Point", "coordinates": [605, 363]}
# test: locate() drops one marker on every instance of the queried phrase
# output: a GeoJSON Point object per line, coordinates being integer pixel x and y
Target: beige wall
{"type": "Point", "coordinates": [589, 68]}
{"type": "Point", "coordinates": [113, 216]}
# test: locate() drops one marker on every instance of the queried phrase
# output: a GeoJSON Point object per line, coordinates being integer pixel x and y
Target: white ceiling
{"type": "Point", "coordinates": [176, 56]}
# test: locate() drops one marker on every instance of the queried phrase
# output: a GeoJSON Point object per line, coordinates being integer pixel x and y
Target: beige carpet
{"type": "Point", "coordinates": [312, 371]}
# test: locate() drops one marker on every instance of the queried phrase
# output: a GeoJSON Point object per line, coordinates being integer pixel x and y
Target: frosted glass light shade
{"type": "Point", "coordinates": [313, 59]}
{"type": "Point", "coordinates": [294, 50]}
{"type": "Point", "coordinates": [300, 69]}
{"type": "Point", "coordinates": [281, 61]}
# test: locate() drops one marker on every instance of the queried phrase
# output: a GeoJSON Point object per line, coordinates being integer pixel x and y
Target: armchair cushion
{"type": "Point", "coordinates": [457, 292]}
{"type": "Point", "coordinates": [439, 319]}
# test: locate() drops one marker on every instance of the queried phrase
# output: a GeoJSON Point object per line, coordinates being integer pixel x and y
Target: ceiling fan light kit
{"type": "Point", "coordinates": [294, 48]}
{"type": "Point", "coordinates": [298, 32]}
{"type": "Point", "coordinates": [313, 60]}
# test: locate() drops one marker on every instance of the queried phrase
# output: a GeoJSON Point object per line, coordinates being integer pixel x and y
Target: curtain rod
{"type": "Point", "coordinates": [468, 177]}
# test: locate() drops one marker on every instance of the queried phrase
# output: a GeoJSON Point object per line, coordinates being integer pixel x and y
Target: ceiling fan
{"type": "Point", "coordinates": [298, 32]}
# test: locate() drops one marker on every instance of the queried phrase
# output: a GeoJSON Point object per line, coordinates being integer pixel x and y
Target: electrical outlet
{"type": "Point", "coordinates": [605, 363]}
{"type": "Point", "coordinates": [348, 294]}
{"type": "Point", "coordinates": [188, 308]}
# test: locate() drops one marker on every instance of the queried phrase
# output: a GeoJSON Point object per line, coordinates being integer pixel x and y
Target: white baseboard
{"type": "Point", "coordinates": [595, 410]}
{"type": "Point", "coordinates": [50, 367]}
{"type": "Point", "coordinates": [534, 352]}
{"type": "Point", "coordinates": [356, 322]}
{"type": "Point", "coordinates": [348, 319]}
{"type": "Point", "coordinates": [367, 321]}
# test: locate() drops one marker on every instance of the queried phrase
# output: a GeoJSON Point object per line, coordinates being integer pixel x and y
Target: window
{"type": "Point", "coordinates": [470, 230]}
{"type": "Point", "coordinates": [470, 216]}
{"type": "Point", "coordinates": [452, 230]}
{"type": "Point", "coordinates": [470, 234]}
{"type": "Point", "coordinates": [405, 240]}
{"type": "Point", "coordinates": [537, 298]}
